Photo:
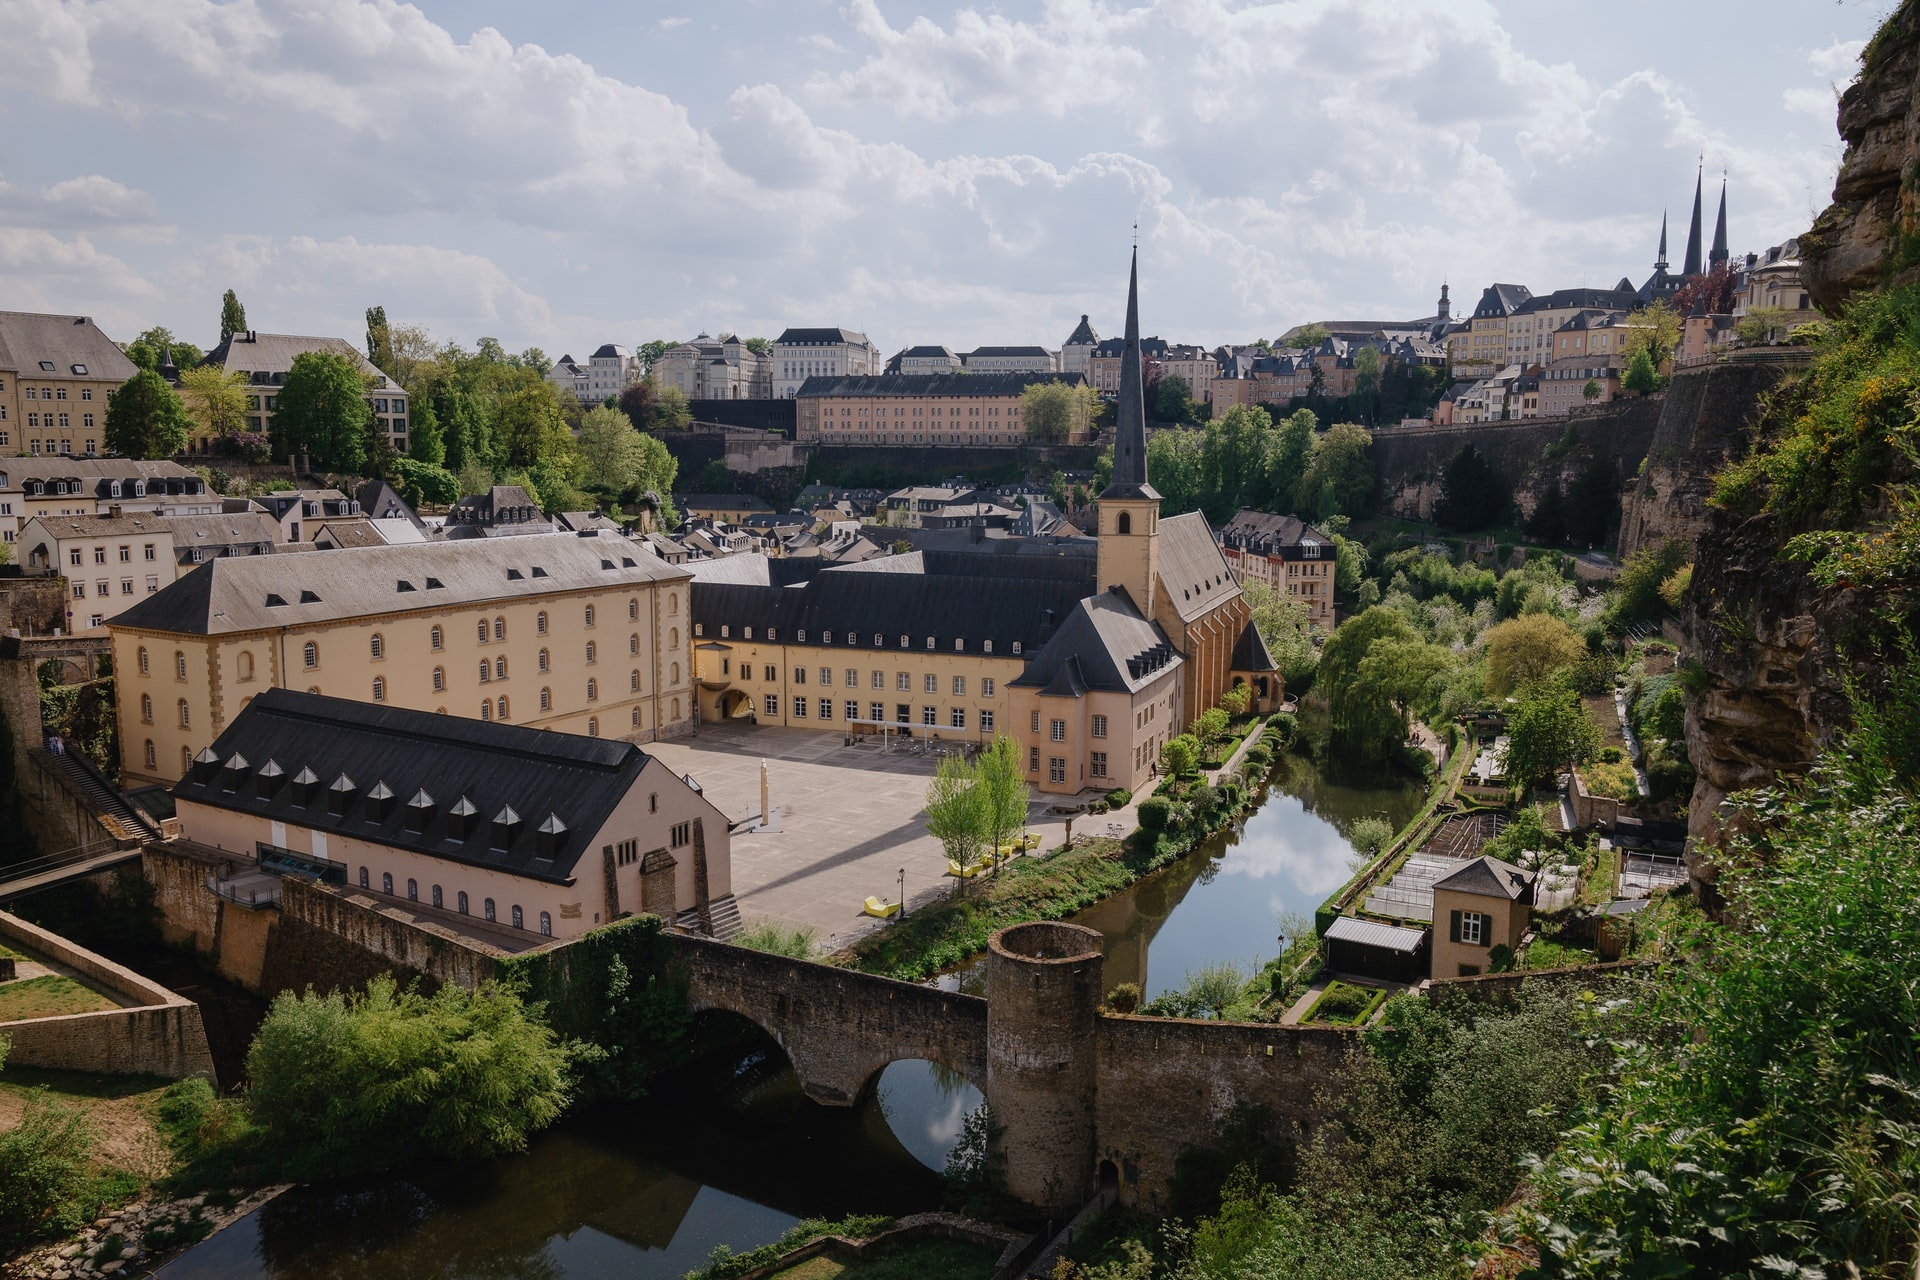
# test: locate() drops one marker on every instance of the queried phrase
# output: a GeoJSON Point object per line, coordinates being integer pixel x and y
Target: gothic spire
{"type": "Point", "coordinates": [1130, 439]}
{"type": "Point", "coordinates": [1691, 266]}
{"type": "Point", "coordinates": [1719, 255]}
{"type": "Point", "coordinates": [1660, 262]}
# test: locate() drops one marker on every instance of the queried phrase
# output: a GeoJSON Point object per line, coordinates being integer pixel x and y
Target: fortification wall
{"type": "Point", "coordinates": [329, 938]}
{"type": "Point", "coordinates": [159, 1033]}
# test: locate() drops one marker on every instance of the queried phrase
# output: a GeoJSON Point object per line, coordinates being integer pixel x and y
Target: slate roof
{"type": "Point", "coordinates": [820, 337]}
{"type": "Point", "coordinates": [722, 501]}
{"type": "Point", "coordinates": [611, 351]}
{"type": "Point", "coordinates": [225, 596]}
{"type": "Point", "coordinates": [926, 353]}
{"type": "Point", "coordinates": [1501, 300]}
{"type": "Point", "coordinates": [346, 534]}
{"type": "Point", "coordinates": [1561, 299]}
{"type": "Point", "coordinates": [1082, 335]}
{"type": "Point", "coordinates": [1250, 652]}
{"type": "Point", "coordinates": [985, 352]}
{"type": "Point", "coordinates": [94, 475]}
{"type": "Point", "coordinates": [1370, 933]}
{"type": "Point", "coordinates": [1104, 644]}
{"type": "Point", "coordinates": [1193, 573]}
{"type": "Point", "coordinates": [29, 337]}
{"type": "Point", "coordinates": [1489, 877]}
{"type": "Point", "coordinates": [501, 770]}
{"type": "Point", "coordinates": [243, 528]}
{"type": "Point", "coordinates": [379, 501]}
{"type": "Point", "coordinates": [1114, 348]}
{"type": "Point", "coordinates": [1270, 534]}
{"type": "Point", "coordinates": [270, 354]}
{"type": "Point", "coordinates": [931, 384]}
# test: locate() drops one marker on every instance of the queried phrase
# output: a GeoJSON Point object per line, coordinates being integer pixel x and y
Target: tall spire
{"type": "Point", "coordinates": [1660, 262]}
{"type": "Point", "coordinates": [1719, 255]}
{"type": "Point", "coordinates": [1130, 438]}
{"type": "Point", "coordinates": [1691, 266]}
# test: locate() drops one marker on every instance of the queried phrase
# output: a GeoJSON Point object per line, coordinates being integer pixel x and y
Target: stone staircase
{"type": "Point", "coordinates": [134, 824]}
{"type": "Point", "coordinates": [724, 913]}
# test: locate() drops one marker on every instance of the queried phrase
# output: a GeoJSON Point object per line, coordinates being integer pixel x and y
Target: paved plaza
{"type": "Point", "coordinates": [850, 817]}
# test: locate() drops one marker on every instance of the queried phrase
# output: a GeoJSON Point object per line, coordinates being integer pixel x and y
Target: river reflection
{"type": "Point", "coordinates": [732, 1157]}
{"type": "Point", "coordinates": [1225, 901]}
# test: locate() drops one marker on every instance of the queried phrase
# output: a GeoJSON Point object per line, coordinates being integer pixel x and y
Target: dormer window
{"type": "Point", "coordinates": [1016, 646]}
{"type": "Point", "coordinates": [800, 635]}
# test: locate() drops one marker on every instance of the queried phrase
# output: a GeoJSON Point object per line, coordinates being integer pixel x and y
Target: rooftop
{"type": "Point", "coordinates": [932, 384]}
{"type": "Point", "coordinates": [39, 345]}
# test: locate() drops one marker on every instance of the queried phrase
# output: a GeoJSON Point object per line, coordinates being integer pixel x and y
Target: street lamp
{"type": "Point", "coordinates": [903, 893]}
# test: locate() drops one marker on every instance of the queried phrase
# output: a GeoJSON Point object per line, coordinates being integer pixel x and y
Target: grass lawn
{"type": "Point", "coordinates": [48, 996]}
{"type": "Point", "coordinates": [1343, 1004]}
{"type": "Point", "coordinates": [126, 1152]}
{"type": "Point", "coordinates": [914, 1260]}
{"type": "Point", "coordinates": [1542, 954]}
{"type": "Point", "coordinates": [1615, 780]}
{"type": "Point", "coordinates": [1597, 889]}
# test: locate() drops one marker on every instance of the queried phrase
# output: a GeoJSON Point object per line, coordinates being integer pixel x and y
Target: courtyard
{"type": "Point", "coordinates": [849, 820]}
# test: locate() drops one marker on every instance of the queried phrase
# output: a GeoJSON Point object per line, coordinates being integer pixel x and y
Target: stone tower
{"type": "Point", "coordinates": [1043, 1009]}
{"type": "Point", "coordinates": [1129, 546]}
{"type": "Point", "coordinates": [1445, 311]}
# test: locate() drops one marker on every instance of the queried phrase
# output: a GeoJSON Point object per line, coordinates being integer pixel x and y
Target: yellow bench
{"type": "Point", "coordinates": [967, 872]}
{"type": "Point", "coordinates": [881, 910]}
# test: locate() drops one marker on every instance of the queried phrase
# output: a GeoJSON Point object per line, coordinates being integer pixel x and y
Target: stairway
{"type": "Point", "coordinates": [725, 913]}
{"type": "Point", "coordinates": [104, 798]}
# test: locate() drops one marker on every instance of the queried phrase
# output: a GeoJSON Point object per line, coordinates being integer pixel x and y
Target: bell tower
{"type": "Point", "coordinates": [1129, 546]}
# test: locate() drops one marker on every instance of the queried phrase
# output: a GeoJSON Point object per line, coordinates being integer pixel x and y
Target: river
{"type": "Point", "coordinates": [731, 1153]}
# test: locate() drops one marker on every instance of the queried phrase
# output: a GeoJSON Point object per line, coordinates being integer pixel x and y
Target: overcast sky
{"type": "Point", "coordinates": [571, 172]}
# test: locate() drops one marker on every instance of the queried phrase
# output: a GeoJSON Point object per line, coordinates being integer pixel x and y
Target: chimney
{"type": "Point", "coordinates": [462, 818]}
{"type": "Point", "coordinates": [419, 810]}
{"type": "Point", "coordinates": [113, 511]}
{"type": "Point", "coordinates": [267, 781]}
{"type": "Point", "coordinates": [306, 786]}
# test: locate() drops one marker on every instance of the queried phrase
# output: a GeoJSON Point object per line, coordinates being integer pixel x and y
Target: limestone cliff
{"type": "Point", "coordinates": [1870, 234]}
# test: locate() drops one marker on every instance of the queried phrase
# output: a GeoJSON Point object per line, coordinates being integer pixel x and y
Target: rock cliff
{"type": "Point", "coordinates": [1870, 234]}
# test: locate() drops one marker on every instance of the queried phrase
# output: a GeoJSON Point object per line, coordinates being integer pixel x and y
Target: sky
{"type": "Point", "coordinates": [564, 173]}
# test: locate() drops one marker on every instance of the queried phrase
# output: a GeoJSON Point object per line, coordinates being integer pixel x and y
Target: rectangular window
{"type": "Point", "coordinates": [1057, 730]}
{"type": "Point", "coordinates": [986, 722]}
{"type": "Point", "coordinates": [853, 678]}
{"type": "Point", "coordinates": [773, 706]}
{"type": "Point", "coordinates": [826, 676]}
{"type": "Point", "coordinates": [879, 679]}
{"type": "Point", "coordinates": [799, 675]}
{"type": "Point", "coordinates": [799, 708]}
{"type": "Point", "coordinates": [826, 708]}
{"type": "Point", "coordinates": [902, 713]}
{"type": "Point", "coordinates": [1099, 726]}
{"type": "Point", "coordinates": [680, 834]}
{"type": "Point", "coordinates": [959, 686]}
{"type": "Point", "coordinates": [958, 718]}
{"type": "Point", "coordinates": [903, 682]}
{"type": "Point", "coordinates": [853, 709]}
{"type": "Point", "coordinates": [876, 711]}
{"type": "Point", "coordinates": [772, 675]}
{"type": "Point", "coordinates": [1033, 759]}
{"type": "Point", "coordinates": [1473, 928]}
{"type": "Point", "coordinates": [1036, 722]}
{"type": "Point", "coordinates": [930, 683]}
{"type": "Point", "coordinates": [1099, 766]}
{"type": "Point", "coordinates": [986, 687]}
{"type": "Point", "coordinates": [1056, 769]}
{"type": "Point", "coordinates": [928, 716]}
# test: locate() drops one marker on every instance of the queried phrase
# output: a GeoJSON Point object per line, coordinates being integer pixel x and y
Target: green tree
{"type": "Point", "coordinates": [1283, 623]}
{"type": "Point", "coordinates": [1547, 522]}
{"type": "Point", "coordinates": [1057, 411]}
{"type": "Point", "coordinates": [1339, 475]}
{"type": "Point", "coordinates": [386, 1074]}
{"type": "Point", "coordinates": [1369, 836]}
{"type": "Point", "coordinates": [1473, 494]}
{"type": "Point", "coordinates": [671, 410]}
{"type": "Point", "coordinates": [1234, 462]}
{"type": "Point", "coordinates": [1592, 391]}
{"type": "Point", "coordinates": [1642, 378]}
{"type": "Point", "coordinates": [1310, 335]}
{"type": "Point", "coordinates": [323, 412]}
{"type": "Point", "coordinates": [1287, 456]}
{"type": "Point", "coordinates": [1654, 330]}
{"type": "Point", "coordinates": [145, 419]}
{"type": "Point", "coordinates": [425, 441]}
{"type": "Point", "coordinates": [475, 477]}
{"type": "Point", "coordinates": [760, 346]}
{"type": "Point", "coordinates": [1172, 400]}
{"type": "Point", "coordinates": [233, 316]}
{"type": "Point", "coordinates": [44, 1170]}
{"type": "Point", "coordinates": [650, 353]}
{"type": "Point", "coordinates": [1176, 468]}
{"type": "Point", "coordinates": [715, 477]}
{"type": "Point", "coordinates": [1548, 732]}
{"type": "Point", "coordinates": [147, 349]}
{"type": "Point", "coordinates": [1367, 726]}
{"type": "Point", "coordinates": [1526, 650]}
{"type": "Point", "coordinates": [610, 451]}
{"type": "Point", "coordinates": [423, 482]}
{"type": "Point", "coordinates": [957, 811]}
{"type": "Point", "coordinates": [1210, 726]}
{"type": "Point", "coordinates": [1003, 783]}
{"type": "Point", "coordinates": [530, 427]}
{"type": "Point", "coordinates": [216, 400]}
{"type": "Point", "coordinates": [1180, 757]}
{"type": "Point", "coordinates": [379, 340]}
{"type": "Point", "coordinates": [1366, 380]}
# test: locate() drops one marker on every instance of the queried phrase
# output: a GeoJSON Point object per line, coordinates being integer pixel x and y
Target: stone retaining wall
{"type": "Point", "coordinates": [161, 1036]}
{"type": "Point", "coordinates": [332, 938]}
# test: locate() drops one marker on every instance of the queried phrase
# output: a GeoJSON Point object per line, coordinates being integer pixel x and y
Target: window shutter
{"type": "Point", "coordinates": [1453, 926]}
{"type": "Point", "coordinates": [1486, 929]}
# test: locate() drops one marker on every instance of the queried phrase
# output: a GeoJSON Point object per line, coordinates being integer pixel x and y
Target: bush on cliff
{"type": "Point", "coordinates": [352, 1081]}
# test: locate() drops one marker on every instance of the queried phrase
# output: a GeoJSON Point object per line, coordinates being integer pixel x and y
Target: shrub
{"type": "Point", "coordinates": [43, 1172]}
{"type": "Point", "coordinates": [1500, 958]}
{"type": "Point", "coordinates": [372, 1078]}
{"type": "Point", "coordinates": [777, 939]}
{"type": "Point", "coordinates": [1342, 1002]}
{"type": "Point", "coordinates": [1124, 998]}
{"type": "Point", "coordinates": [1180, 757]}
{"type": "Point", "coordinates": [1119, 798]}
{"type": "Point", "coordinates": [1369, 836]}
{"type": "Point", "coordinates": [1156, 813]}
{"type": "Point", "coordinates": [1611, 755]}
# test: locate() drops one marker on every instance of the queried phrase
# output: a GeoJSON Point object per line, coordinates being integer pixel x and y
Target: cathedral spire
{"type": "Point", "coordinates": [1719, 255]}
{"type": "Point", "coordinates": [1130, 438]}
{"type": "Point", "coordinates": [1660, 262]}
{"type": "Point", "coordinates": [1691, 266]}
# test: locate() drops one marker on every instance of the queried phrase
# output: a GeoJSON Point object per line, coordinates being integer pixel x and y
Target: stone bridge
{"type": "Point", "coordinates": [1083, 1099]}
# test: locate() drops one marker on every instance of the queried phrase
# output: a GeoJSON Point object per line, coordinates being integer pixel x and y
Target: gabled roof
{"type": "Point", "coordinates": [437, 761]}
{"type": "Point", "coordinates": [251, 351]}
{"type": "Point", "coordinates": [1489, 877]}
{"type": "Point", "coordinates": [1501, 300]}
{"type": "Point", "coordinates": [979, 353]}
{"type": "Point", "coordinates": [73, 345]}
{"type": "Point", "coordinates": [1103, 644]}
{"type": "Point", "coordinates": [1268, 533]}
{"type": "Point", "coordinates": [1250, 652]}
{"type": "Point", "coordinates": [1193, 573]}
{"type": "Point", "coordinates": [1370, 933]}
{"type": "Point", "coordinates": [380, 501]}
{"type": "Point", "coordinates": [611, 351]}
{"type": "Point", "coordinates": [1082, 335]}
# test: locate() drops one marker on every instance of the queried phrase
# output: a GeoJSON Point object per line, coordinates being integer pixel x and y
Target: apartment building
{"type": "Point", "coordinates": [799, 354]}
{"type": "Point", "coordinates": [490, 828]}
{"type": "Point", "coordinates": [1010, 360]}
{"type": "Point", "coordinates": [266, 359]}
{"type": "Point", "coordinates": [571, 378]}
{"type": "Point", "coordinates": [114, 560]}
{"type": "Point", "coordinates": [723, 368]}
{"type": "Point", "coordinates": [55, 373]}
{"type": "Point", "coordinates": [579, 634]}
{"type": "Point", "coordinates": [1195, 366]}
{"type": "Point", "coordinates": [924, 360]}
{"type": "Point", "coordinates": [1563, 384]}
{"type": "Point", "coordinates": [1287, 554]}
{"type": "Point", "coordinates": [611, 369]}
{"type": "Point", "coordinates": [63, 485]}
{"type": "Point", "coordinates": [939, 410]}
{"type": "Point", "coordinates": [1771, 283]}
{"type": "Point", "coordinates": [1105, 361]}
{"type": "Point", "coordinates": [1533, 330]}
{"type": "Point", "coordinates": [1077, 350]}
{"type": "Point", "coordinates": [1480, 347]}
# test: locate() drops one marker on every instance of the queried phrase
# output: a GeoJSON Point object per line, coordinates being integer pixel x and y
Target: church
{"type": "Point", "coordinates": [1091, 664]}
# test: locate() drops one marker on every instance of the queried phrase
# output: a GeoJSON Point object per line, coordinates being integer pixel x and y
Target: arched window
{"type": "Point", "coordinates": [546, 924]}
{"type": "Point", "coordinates": [633, 642]}
{"type": "Point", "coordinates": [499, 628]}
{"type": "Point", "coordinates": [500, 668]}
{"type": "Point", "coordinates": [673, 637]}
{"type": "Point", "coordinates": [246, 665]}
{"type": "Point", "coordinates": [438, 899]}
{"type": "Point", "coordinates": [519, 918]}
{"type": "Point", "coordinates": [413, 889]}
{"type": "Point", "coordinates": [186, 716]}
{"type": "Point", "coordinates": [437, 639]}
{"type": "Point", "coordinates": [439, 679]}
{"type": "Point", "coordinates": [376, 647]}
{"type": "Point", "coordinates": [636, 717]}
{"type": "Point", "coordinates": [363, 877]}
{"type": "Point", "coordinates": [1125, 523]}
{"type": "Point", "coordinates": [483, 631]}
{"type": "Point", "coordinates": [151, 759]}
{"type": "Point", "coordinates": [593, 652]}
{"type": "Point", "coordinates": [546, 699]}
{"type": "Point", "coordinates": [486, 671]}
{"type": "Point", "coordinates": [143, 660]}
{"type": "Point", "coordinates": [633, 611]}
{"type": "Point", "coordinates": [486, 709]}
{"type": "Point", "coordinates": [589, 615]}
{"type": "Point", "coordinates": [486, 908]}
{"type": "Point", "coordinates": [540, 622]}
{"type": "Point", "coordinates": [180, 665]}
{"type": "Point", "coordinates": [674, 671]}
{"type": "Point", "coordinates": [633, 682]}
{"type": "Point", "coordinates": [386, 883]}
{"type": "Point", "coordinates": [186, 759]}
{"type": "Point", "coordinates": [310, 654]}
{"type": "Point", "coordinates": [545, 661]}
{"type": "Point", "coordinates": [593, 726]}
{"type": "Point", "coordinates": [676, 708]}
{"type": "Point", "coordinates": [146, 708]}
{"type": "Point", "coordinates": [379, 688]}
{"type": "Point", "coordinates": [673, 605]}
{"type": "Point", "coordinates": [500, 707]}
{"type": "Point", "coordinates": [593, 691]}
{"type": "Point", "coordinates": [460, 902]}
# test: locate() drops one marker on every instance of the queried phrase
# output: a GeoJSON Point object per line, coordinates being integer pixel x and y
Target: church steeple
{"type": "Point", "coordinates": [1130, 435]}
{"type": "Point", "coordinates": [1718, 256]}
{"type": "Point", "coordinates": [1660, 261]}
{"type": "Point", "coordinates": [1128, 553]}
{"type": "Point", "coordinates": [1446, 306]}
{"type": "Point", "coordinates": [1691, 266]}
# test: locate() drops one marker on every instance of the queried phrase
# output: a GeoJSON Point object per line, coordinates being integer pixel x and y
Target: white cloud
{"type": "Point", "coordinates": [92, 200]}
{"type": "Point", "coordinates": [1839, 60]}
{"type": "Point", "coordinates": [668, 24]}
{"type": "Point", "coordinates": [1819, 103]}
